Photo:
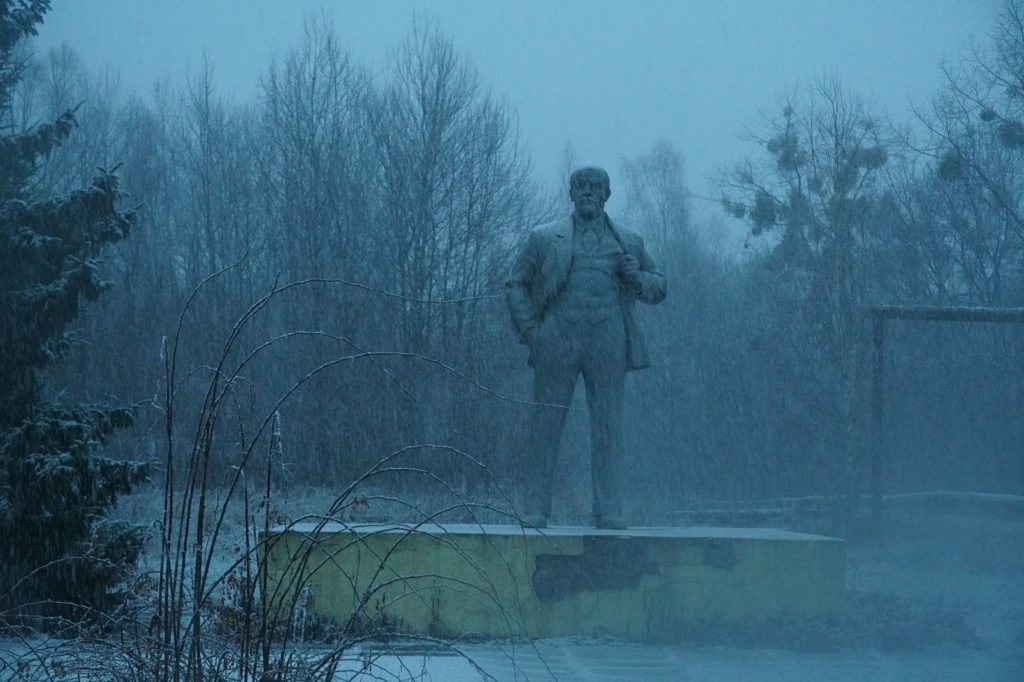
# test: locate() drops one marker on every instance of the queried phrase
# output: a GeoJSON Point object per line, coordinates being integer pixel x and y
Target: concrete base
{"type": "Point", "coordinates": [461, 580]}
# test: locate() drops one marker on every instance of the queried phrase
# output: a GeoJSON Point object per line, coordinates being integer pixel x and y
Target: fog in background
{"type": "Point", "coordinates": [790, 164]}
{"type": "Point", "coordinates": [604, 78]}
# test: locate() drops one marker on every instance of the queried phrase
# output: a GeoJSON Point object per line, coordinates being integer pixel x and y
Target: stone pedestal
{"type": "Point", "coordinates": [460, 580]}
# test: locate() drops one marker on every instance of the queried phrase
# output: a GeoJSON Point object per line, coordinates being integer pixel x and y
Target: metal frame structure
{"type": "Point", "coordinates": [879, 315]}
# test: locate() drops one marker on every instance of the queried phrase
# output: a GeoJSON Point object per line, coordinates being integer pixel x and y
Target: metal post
{"type": "Point", "coordinates": [877, 396]}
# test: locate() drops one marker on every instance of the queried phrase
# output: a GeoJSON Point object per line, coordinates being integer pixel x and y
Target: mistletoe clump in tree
{"type": "Point", "coordinates": [55, 485]}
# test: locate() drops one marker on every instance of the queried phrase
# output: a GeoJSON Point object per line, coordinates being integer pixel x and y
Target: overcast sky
{"type": "Point", "coordinates": [607, 77]}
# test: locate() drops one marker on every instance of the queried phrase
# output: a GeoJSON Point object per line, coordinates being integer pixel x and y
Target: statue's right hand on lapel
{"type": "Point", "coordinates": [629, 268]}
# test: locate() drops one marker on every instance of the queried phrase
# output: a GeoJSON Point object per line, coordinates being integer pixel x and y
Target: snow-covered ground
{"type": "Point", "coordinates": [621, 662]}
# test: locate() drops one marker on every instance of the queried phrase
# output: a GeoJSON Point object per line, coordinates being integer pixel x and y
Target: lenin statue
{"type": "Point", "coordinates": [571, 294]}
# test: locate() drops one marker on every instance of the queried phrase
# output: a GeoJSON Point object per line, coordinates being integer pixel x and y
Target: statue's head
{"type": "Point", "coordinates": [589, 189]}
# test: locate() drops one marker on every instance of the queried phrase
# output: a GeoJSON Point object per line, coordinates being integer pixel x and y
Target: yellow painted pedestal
{"type": "Point", "coordinates": [461, 580]}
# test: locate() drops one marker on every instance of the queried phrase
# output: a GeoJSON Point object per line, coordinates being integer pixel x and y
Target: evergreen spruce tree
{"type": "Point", "coordinates": [55, 485]}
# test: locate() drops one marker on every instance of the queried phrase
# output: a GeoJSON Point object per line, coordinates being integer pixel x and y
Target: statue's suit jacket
{"type": "Point", "coordinates": [541, 270]}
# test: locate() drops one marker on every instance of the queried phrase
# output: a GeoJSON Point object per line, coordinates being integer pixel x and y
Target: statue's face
{"type": "Point", "coordinates": [589, 191]}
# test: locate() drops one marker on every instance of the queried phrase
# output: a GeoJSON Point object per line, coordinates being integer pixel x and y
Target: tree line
{"type": "Point", "coordinates": [403, 194]}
